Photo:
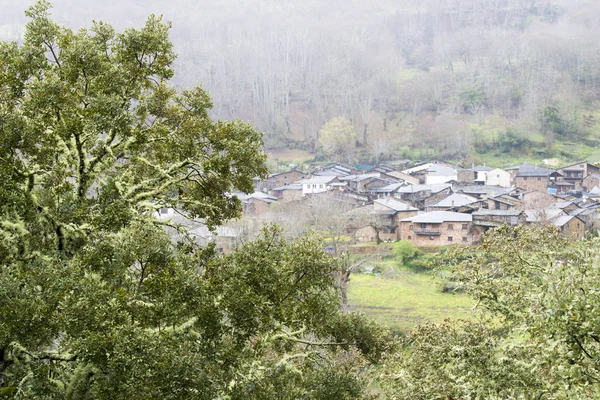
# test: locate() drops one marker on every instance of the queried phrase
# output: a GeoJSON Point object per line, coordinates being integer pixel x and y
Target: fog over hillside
{"type": "Point", "coordinates": [460, 79]}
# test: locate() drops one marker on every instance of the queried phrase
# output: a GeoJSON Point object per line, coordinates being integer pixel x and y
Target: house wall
{"type": "Point", "coordinates": [368, 234]}
{"type": "Point", "coordinates": [538, 183]}
{"type": "Point", "coordinates": [498, 177]}
{"type": "Point", "coordinates": [290, 195]}
{"type": "Point", "coordinates": [590, 181]}
{"type": "Point", "coordinates": [574, 229]}
{"type": "Point", "coordinates": [465, 176]}
{"type": "Point", "coordinates": [436, 198]}
{"type": "Point", "coordinates": [460, 235]}
{"type": "Point", "coordinates": [311, 188]}
{"type": "Point", "coordinates": [432, 180]}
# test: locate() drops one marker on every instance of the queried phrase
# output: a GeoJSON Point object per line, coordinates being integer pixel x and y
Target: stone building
{"type": "Point", "coordinates": [439, 228]}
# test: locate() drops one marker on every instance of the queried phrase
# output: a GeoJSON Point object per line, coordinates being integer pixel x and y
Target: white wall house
{"type": "Point", "coordinates": [498, 177]}
{"type": "Point", "coordinates": [440, 174]}
{"type": "Point", "coordinates": [317, 184]}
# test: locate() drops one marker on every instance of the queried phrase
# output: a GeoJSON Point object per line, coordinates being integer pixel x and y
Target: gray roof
{"type": "Point", "coordinates": [255, 195]}
{"type": "Point", "coordinates": [395, 205]}
{"type": "Point", "coordinates": [420, 188]}
{"type": "Point", "coordinates": [438, 217]}
{"type": "Point", "coordinates": [508, 213]}
{"type": "Point", "coordinates": [317, 180]}
{"type": "Point", "coordinates": [358, 178]}
{"type": "Point", "coordinates": [455, 200]}
{"type": "Point", "coordinates": [490, 190]}
{"type": "Point", "coordinates": [562, 220]}
{"type": "Point", "coordinates": [440, 170]}
{"type": "Point", "coordinates": [291, 186]}
{"type": "Point", "coordinates": [388, 188]}
{"type": "Point", "coordinates": [481, 168]}
{"type": "Point", "coordinates": [533, 170]}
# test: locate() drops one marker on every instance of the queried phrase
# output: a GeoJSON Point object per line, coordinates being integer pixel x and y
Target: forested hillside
{"type": "Point", "coordinates": [471, 80]}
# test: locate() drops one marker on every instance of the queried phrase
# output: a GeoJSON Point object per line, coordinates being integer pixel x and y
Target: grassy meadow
{"type": "Point", "coordinates": [401, 298]}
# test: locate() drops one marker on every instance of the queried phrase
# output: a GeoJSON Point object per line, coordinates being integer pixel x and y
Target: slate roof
{"type": "Point", "coordinates": [436, 188]}
{"type": "Point", "coordinates": [455, 200]}
{"type": "Point", "coordinates": [291, 186]}
{"type": "Point", "coordinates": [395, 205]}
{"type": "Point", "coordinates": [504, 213]}
{"type": "Point", "coordinates": [438, 217]}
{"type": "Point", "coordinates": [315, 180]}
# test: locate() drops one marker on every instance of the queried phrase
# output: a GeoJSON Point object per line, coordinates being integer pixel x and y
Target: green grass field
{"type": "Point", "coordinates": [403, 299]}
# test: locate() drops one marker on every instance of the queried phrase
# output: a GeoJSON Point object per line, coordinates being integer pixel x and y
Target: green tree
{"type": "Point", "coordinates": [96, 300]}
{"type": "Point", "coordinates": [338, 139]}
{"type": "Point", "coordinates": [540, 331]}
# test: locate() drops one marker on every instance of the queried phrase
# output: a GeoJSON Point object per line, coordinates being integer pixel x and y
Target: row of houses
{"type": "Point", "coordinates": [439, 203]}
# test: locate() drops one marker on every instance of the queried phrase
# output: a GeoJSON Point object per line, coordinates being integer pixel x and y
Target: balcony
{"type": "Point", "coordinates": [427, 231]}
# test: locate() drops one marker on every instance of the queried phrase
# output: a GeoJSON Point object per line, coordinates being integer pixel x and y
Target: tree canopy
{"type": "Point", "coordinates": [96, 299]}
{"type": "Point", "coordinates": [538, 336]}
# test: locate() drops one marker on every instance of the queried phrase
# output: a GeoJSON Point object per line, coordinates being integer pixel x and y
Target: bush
{"type": "Point", "coordinates": [405, 252]}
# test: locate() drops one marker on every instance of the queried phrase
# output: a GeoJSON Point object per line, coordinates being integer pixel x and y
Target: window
{"type": "Point", "coordinates": [450, 227]}
{"type": "Point", "coordinates": [539, 178]}
{"type": "Point", "coordinates": [314, 186]}
{"type": "Point", "coordinates": [164, 210]}
{"type": "Point", "coordinates": [449, 238]}
{"type": "Point", "coordinates": [465, 227]}
{"type": "Point", "coordinates": [430, 237]}
{"type": "Point", "coordinates": [410, 227]}
{"type": "Point", "coordinates": [409, 237]}
{"type": "Point", "coordinates": [423, 226]}
{"type": "Point", "coordinates": [464, 239]}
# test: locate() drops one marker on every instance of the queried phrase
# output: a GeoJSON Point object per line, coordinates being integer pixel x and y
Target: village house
{"type": "Point", "coordinates": [591, 181]}
{"type": "Point", "coordinates": [358, 182]}
{"type": "Point", "coordinates": [386, 191]}
{"type": "Point", "coordinates": [570, 226]}
{"type": "Point", "coordinates": [257, 203]}
{"type": "Point", "coordinates": [384, 216]}
{"type": "Point", "coordinates": [453, 203]}
{"type": "Point", "coordinates": [317, 184]}
{"type": "Point", "coordinates": [439, 228]}
{"type": "Point", "coordinates": [504, 202]}
{"type": "Point", "coordinates": [291, 192]}
{"type": "Point", "coordinates": [480, 173]}
{"type": "Point", "coordinates": [333, 169]}
{"type": "Point", "coordinates": [498, 177]}
{"type": "Point", "coordinates": [577, 172]}
{"type": "Point", "coordinates": [438, 174]}
{"type": "Point", "coordinates": [421, 196]}
{"type": "Point", "coordinates": [534, 178]}
{"type": "Point", "coordinates": [278, 179]}
{"type": "Point", "coordinates": [484, 220]}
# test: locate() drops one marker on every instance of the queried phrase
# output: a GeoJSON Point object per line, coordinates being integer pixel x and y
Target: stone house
{"type": "Point", "coordinates": [439, 228]}
{"type": "Point", "coordinates": [590, 181]}
{"type": "Point", "coordinates": [452, 203]}
{"type": "Point", "coordinates": [577, 172]}
{"type": "Point", "coordinates": [279, 179]}
{"type": "Point", "coordinates": [504, 202]}
{"type": "Point", "coordinates": [484, 220]}
{"type": "Point", "coordinates": [421, 196]}
{"type": "Point", "coordinates": [570, 226]}
{"type": "Point", "coordinates": [291, 192]}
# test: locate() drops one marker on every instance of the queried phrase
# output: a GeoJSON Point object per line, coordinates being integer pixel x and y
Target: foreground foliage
{"type": "Point", "coordinates": [96, 300]}
{"type": "Point", "coordinates": [543, 337]}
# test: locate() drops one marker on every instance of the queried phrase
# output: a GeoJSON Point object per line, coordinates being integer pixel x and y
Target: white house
{"type": "Point", "coordinates": [440, 174]}
{"type": "Point", "coordinates": [317, 184]}
{"type": "Point", "coordinates": [498, 177]}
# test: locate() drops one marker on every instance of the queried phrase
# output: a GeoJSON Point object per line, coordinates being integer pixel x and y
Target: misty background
{"type": "Point", "coordinates": [464, 79]}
